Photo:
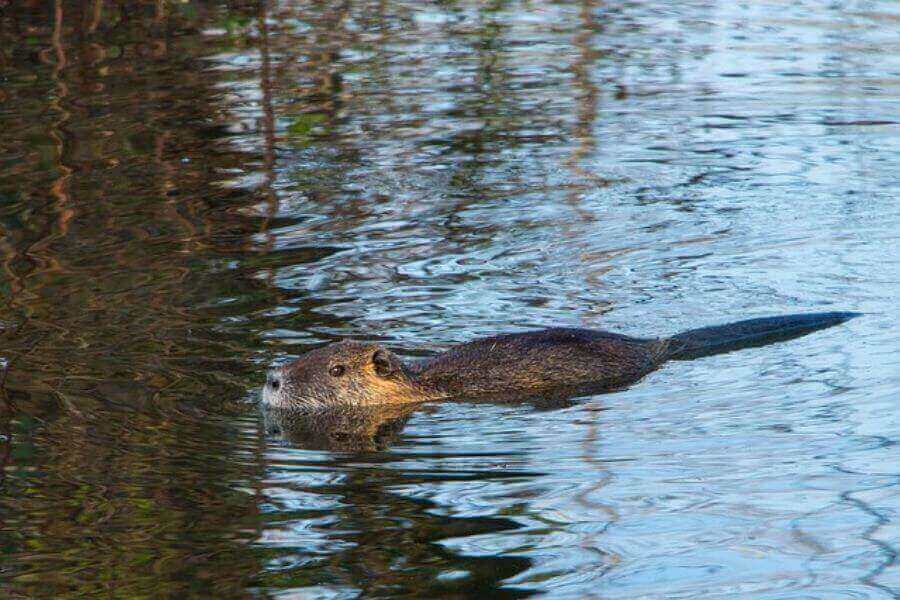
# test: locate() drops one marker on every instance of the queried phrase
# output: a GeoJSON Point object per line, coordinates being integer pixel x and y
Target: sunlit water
{"type": "Point", "coordinates": [191, 191]}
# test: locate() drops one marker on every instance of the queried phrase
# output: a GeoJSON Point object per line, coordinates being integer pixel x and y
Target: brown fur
{"type": "Point", "coordinates": [538, 362]}
{"type": "Point", "coordinates": [371, 375]}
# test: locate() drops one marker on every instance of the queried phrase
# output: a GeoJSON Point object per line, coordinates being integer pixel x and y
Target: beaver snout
{"type": "Point", "coordinates": [273, 380]}
{"type": "Point", "coordinates": [274, 388]}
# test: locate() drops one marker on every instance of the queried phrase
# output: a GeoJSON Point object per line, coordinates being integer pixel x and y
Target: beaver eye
{"type": "Point", "coordinates": [336, 370]}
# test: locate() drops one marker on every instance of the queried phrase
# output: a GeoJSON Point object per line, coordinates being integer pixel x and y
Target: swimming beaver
{"type": "Point", "coordinates": [550, 361]}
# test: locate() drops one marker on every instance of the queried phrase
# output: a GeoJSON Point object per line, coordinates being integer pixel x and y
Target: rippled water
{"type": "Point", "coordinates": [190, 191]}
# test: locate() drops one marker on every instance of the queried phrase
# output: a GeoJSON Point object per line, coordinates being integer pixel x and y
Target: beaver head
{"type": "Point", "coordinates": [343, 373]}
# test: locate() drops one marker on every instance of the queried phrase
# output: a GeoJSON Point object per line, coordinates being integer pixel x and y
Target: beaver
{"type": "Point", "coordinates": [558, 361]}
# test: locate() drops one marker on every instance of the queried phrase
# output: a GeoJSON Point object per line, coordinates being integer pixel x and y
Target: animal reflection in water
{"type": "Point", "coordinates": [360, 428]}
{"type": "Point", "coordinates": [340, 428]}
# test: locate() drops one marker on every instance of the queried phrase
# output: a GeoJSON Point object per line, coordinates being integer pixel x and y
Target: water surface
{"type": "Point", "coordinates": [192, 190]}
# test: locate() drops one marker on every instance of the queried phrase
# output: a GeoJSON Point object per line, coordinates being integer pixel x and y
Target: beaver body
{"type": "Point", "coordinates": [540, 361]}
{"type": "Point", "coordinates": [548, 361]}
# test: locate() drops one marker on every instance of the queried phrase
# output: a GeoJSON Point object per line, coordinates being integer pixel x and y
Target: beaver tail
{"type": "Point", "coordinates": [718, 339]}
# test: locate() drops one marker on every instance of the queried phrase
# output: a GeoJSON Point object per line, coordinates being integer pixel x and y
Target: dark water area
{"type": "Point", "coordinates": [190, 191]}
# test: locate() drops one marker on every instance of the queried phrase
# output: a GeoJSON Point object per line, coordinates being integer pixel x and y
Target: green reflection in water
{"type": "Point", "coordinates": [135, 288]}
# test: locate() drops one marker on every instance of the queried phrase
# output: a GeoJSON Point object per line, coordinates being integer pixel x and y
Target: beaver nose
{"type": "Point", "coordinates": [273, 381]}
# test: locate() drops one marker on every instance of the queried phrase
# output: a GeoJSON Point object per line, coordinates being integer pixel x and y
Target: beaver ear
{"type": "Point", "coordinates": [386, 364]}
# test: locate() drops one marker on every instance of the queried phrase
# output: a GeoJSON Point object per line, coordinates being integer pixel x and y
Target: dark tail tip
{"type": "Point", "coordinates": [830, 319]}
{"type": "Point", "coordinates": [753, 332]}
{"type": "Point", "coordinates": [842, 317]}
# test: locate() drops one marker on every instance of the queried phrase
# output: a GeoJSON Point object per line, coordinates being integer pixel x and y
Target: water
{"type": "Point", "coordinates": [190, 191]}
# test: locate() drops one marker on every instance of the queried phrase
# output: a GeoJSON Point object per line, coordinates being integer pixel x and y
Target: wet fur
{"type": "Point", "coordinates": [540, 361]}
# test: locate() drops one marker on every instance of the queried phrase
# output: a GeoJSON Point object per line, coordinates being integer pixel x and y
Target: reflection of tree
{"type": "Point", "coordinates": [135, 284]}
{"type": "Point", "coordinates": [122, 262]}
{"type": "Point", "coordinates": [132, 301]}
{"type": "Point", "coordinates": [386, 556]}
{"type": "Point", "coordinates": [390, 545]}
{"type": "Point", "coordinates": [115, 321]}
